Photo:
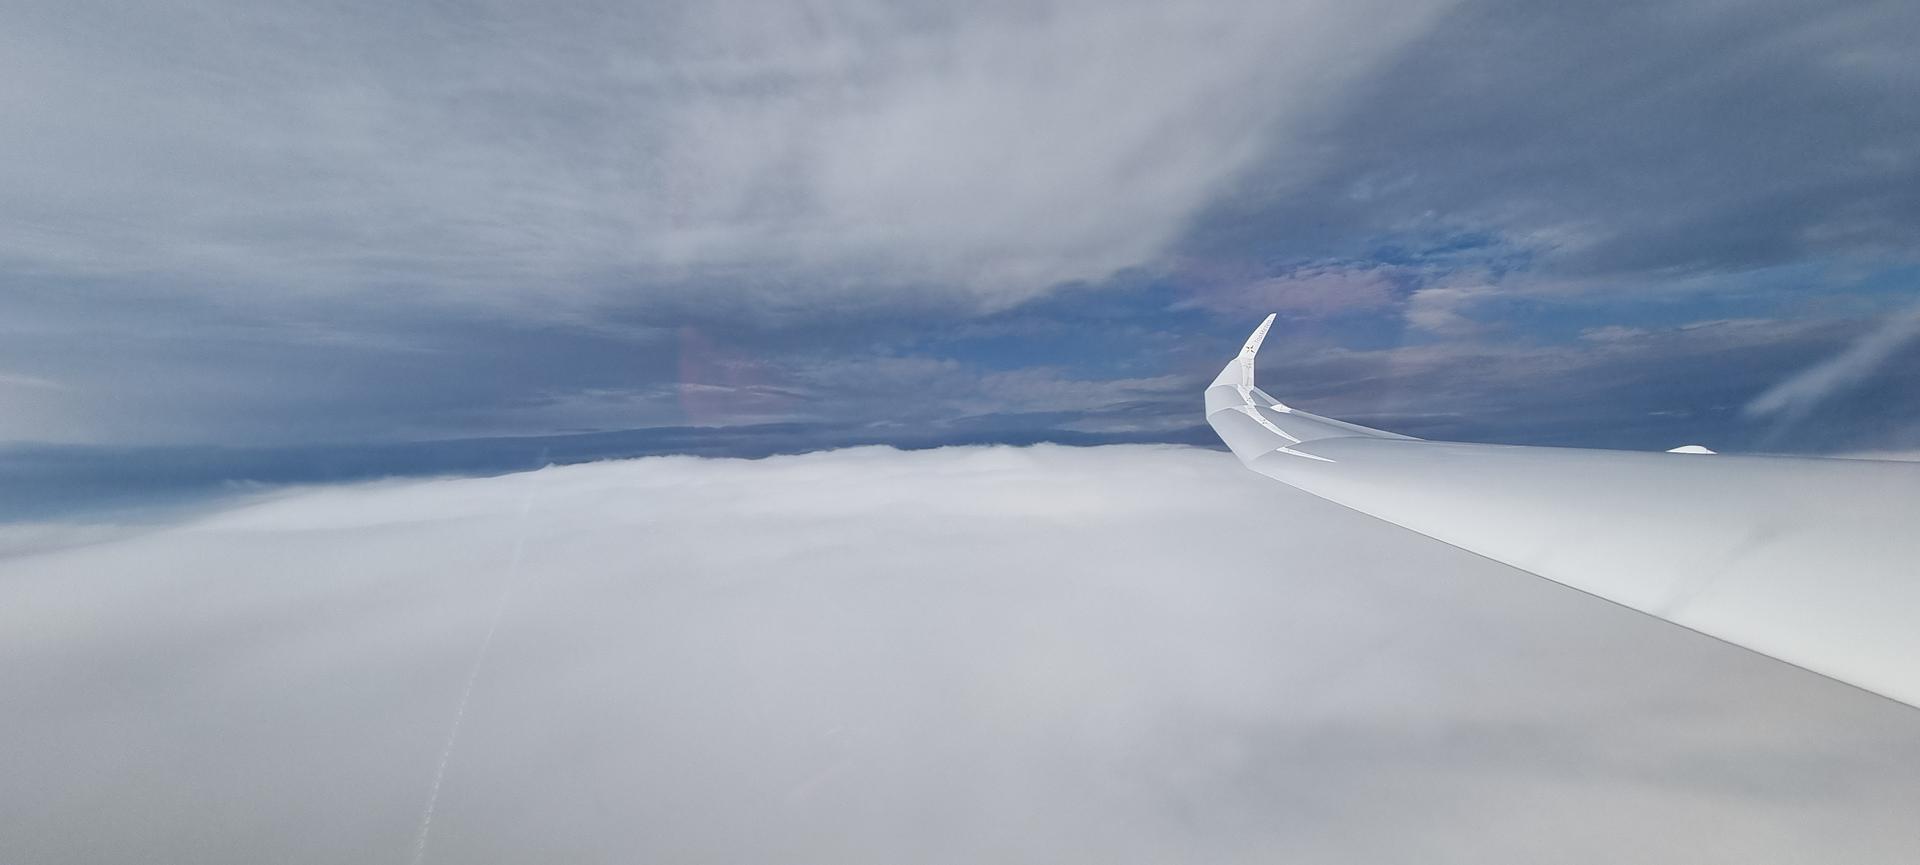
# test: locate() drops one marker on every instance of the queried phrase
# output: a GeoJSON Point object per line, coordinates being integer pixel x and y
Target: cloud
{"type": "Point", "coordinates": [778, 153]}
{"type": "Point", "coordinates": [883, 391]}
{"type": "Point", "coordinates": [1311, 291]}
{"type": "Point", "coordinates": [1646, 387]}
{"type": "Point", "coordinates": [1049, 654]}
{"type": "Point", "coordinates": [10, 380]}
{"type": "Point", "coordinates": [1612, 333]}
{"type": "Point", "coordinates": [276, 224]}
{"type": "Point", "coordinates": [1442, 309]}
{"type": "Point", "coordinates": [1610, 140]}
{"type": "Point", "coordinates": [1638, 388]}
{"type": "Point", "coordinates": [1798, 396]}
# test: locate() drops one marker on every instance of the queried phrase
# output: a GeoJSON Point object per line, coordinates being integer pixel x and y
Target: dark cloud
{"type": "Point", "coordinates": [1615, 137]}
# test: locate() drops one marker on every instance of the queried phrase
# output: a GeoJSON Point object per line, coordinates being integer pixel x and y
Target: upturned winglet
{"type": "Point", "coordinates": [1254, 424]}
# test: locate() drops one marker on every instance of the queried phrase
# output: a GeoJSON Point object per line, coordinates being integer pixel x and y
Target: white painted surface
{"type": "Point", "coordinates": [1811, 561]}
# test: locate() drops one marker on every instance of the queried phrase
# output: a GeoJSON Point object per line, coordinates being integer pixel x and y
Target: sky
{"type": "Point", "coordinates": [270, 242]}
{"type": "Point", "coordinates": [329, 331]}
{"type": "Point", "coordinates": [1048, 654]}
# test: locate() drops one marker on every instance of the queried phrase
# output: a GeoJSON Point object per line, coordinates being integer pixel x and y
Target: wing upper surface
{"type": "Point", "coordinates": [1811, 561]}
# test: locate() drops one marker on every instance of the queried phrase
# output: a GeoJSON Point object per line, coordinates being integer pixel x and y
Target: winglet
{"type": "Point", "coordinates": [1252, 349]}
{"type": "Point", "coordinates": [1253, 424]}
{"type": "Point", "coordinates": [1239, 373]}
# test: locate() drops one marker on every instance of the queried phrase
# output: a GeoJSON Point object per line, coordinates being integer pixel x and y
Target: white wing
{"type": "Point", "coordinates": [1812, 561]}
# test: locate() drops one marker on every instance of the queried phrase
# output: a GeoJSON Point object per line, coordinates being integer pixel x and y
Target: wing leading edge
{"type": "Point", "coordinates": [1811, 561]}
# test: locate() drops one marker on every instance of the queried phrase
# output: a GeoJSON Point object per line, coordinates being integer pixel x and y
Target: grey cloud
{"type": "Point", "coordinates": [572, 398]}
{"type": "Point", "coordinates": [1320, 289]}
{"type": "Point", "coordinates": [244, 223]}
{"type": "Point", "coordinates": [909, 395]}
{"type": "Point", "coordinates": [553, 157]}
{"type": "Point", "coordinates": [1046, 654]}
{"type": "Point", "coordinates": [264, 223]}
{"type": "Point", "coordinates": [1794, 398]}
{"type": "Point", "coordinates": [1620, 387]}
{"type": "Point", "coordinates": [927, 389]}
{"type": "Point", "coordinates": [1615, 138]}
{"type": "Point", "coordinates": [1443, 309]}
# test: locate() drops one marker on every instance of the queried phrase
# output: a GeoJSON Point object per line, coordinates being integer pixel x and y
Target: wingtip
{"type": "Point", "coordinates": [1253, 423]}
{"type": "Point", "coordinates": [1259, 335]}
{"type": "Point", "coordinates": [1240, 371]}
{"type": "Point", "coordinates": [1251, 351]}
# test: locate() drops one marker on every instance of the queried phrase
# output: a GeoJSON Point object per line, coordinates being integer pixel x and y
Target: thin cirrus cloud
{"type": "Point", "coordinates": [1793, 399]}
{"type": "Point", "coordinates": [1046, 654]}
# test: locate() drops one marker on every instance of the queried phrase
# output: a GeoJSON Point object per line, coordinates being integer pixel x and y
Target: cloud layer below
{"type": "Point", "coordinates": [1130, 654]}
